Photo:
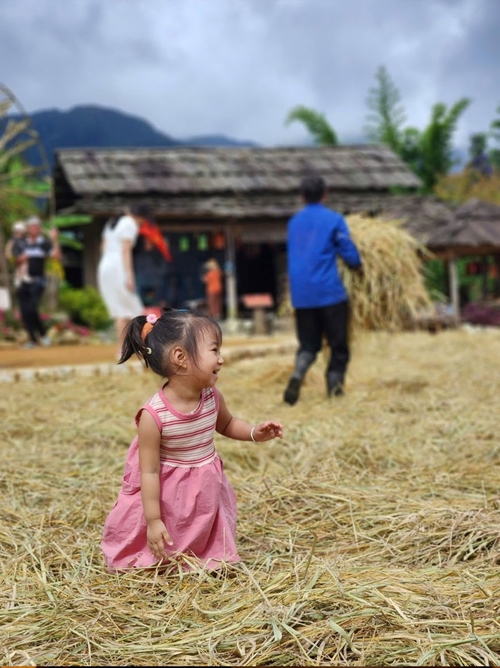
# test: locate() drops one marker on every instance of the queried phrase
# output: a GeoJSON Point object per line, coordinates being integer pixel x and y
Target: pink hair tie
{"type": "Point", "coordinates": [151, 318]}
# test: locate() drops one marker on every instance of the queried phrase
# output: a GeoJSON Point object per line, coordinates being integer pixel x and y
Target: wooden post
{"type": "Point", "coordinates": [230, 271]}
{"type": "Point", "coordinates": [454, 291]}
{"type": "Point", "coordinates": [91, 253]}
{"type": "Point", "coordinates": [496, 265]}
{"type": "Point", "coordinates": [484, 278]}
{"type": "Point", "coordinates": [259, 319]}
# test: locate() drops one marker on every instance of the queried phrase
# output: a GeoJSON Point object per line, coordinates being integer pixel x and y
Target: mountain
{"type": "Point", "coordinates": [90, 126]}
{"type": "Point", "coordinates": [218, 140]}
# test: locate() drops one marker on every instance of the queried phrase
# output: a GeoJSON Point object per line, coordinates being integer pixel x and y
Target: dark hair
{"type": "Point", "coordinates": [172, 328]}
{"type": "Point", "coordinates": [141, 209]}
{"type": "Point", "coordinates": [312, 188]}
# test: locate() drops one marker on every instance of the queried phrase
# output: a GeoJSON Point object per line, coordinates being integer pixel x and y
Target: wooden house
{"type": "Point", "coordinates": [229, 203]}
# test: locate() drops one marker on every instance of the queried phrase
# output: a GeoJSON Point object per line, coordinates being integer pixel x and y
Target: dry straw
{"type": "Point", "coordinates": [369, 535]}
{"type": "Point", "coordinates": [390, 291]}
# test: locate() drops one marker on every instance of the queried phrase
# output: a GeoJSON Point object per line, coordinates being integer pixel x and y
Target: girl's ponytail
{"type": "Point", "coordinates": [133, 343]}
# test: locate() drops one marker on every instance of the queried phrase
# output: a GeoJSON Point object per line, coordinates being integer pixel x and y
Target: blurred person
{"type": "Point", "coordinates": [14, 247]}
{"type": "Point", "coordinates": [175, 498]}
{"type": "Point", "coordinates": [115, 273]}
{"type": "Point", "coordinates": [33, 251]}
{"type": "Point", "coordinates": [316, 236]}
{"type": "Point", "coordinates": [213, 288]}
{"type": "Point", "coordinates": [151, 270]}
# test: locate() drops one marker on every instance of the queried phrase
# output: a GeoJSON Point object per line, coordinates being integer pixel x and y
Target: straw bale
{"type": "Point", "coordinates": [369, 534]}
{"type": "Point", "coordinates": [390, 291]}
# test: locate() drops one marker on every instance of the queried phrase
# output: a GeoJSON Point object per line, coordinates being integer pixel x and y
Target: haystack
{"type": "Point", "coordinates": [390, 290]}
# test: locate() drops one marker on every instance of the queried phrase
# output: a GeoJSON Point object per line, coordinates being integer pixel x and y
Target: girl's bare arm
{"type": "Point", "coordinates": [240, 430]}
{"type": "Point", "coordinates": [149, 462]}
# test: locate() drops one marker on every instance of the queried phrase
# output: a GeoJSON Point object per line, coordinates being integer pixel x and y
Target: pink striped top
{"type": "Point", "coordinates": [187, 439]}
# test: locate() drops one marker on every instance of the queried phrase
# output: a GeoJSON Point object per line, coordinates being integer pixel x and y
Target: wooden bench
{"type": "Point", "coordinates": [258, 304]}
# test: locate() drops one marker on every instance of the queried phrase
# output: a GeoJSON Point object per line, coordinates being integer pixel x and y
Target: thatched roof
{"type": "Point", "coordinates": [476, 226]}
{"type": "Point", "coordinates": [479, 210]}
{"type": "Point", "coordinates": [471, 228]}
{"type": "Point", "coordinates": [223, 182]}
{"type": "Point", "coordinates": [423, 215]}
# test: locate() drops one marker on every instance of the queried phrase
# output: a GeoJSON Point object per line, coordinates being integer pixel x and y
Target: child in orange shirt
{"type": "Point", "coordinates": [213, 288]}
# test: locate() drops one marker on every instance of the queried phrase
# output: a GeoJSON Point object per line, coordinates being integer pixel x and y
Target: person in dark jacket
{"type": "Point", "coordinates": [34, 250]}
{"type": "Point", "coordinates": [316, 236]}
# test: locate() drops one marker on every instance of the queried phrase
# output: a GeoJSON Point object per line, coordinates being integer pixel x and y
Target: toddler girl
{"type": "Point", "coordinates": [175, 498]}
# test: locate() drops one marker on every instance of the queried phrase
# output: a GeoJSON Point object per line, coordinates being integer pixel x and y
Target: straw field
{"type": "Point", "coordinates": [369, 534]}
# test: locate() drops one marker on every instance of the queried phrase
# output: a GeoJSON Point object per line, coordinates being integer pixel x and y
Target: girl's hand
{"type": "Point", "coordinates": [130, 284]}
{"type": "Point", "coordinates": [265, 431]}
{"type": "Point", "coordinates": [157, 535]}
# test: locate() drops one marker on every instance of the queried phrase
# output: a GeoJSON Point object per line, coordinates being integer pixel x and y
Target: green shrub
{"type": "Point", "coordinates": [11, 319]}
{"type": "Point", "coordinates": [436, 279]}
{"type": "Point", "coordinates": [84, 306]}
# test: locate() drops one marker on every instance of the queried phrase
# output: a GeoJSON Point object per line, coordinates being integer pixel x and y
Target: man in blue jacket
{"type": "Point", "coordinates": [316, 236]}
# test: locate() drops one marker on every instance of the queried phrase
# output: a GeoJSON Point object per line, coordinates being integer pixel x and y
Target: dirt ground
{"type": "Point", "coordinates": [15, 357]}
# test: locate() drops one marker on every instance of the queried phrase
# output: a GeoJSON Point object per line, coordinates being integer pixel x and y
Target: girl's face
{"type": "Point", "coordinates": [210, 361]}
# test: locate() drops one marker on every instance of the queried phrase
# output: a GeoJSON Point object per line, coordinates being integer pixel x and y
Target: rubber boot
{"type": "Point", "coordinates": [302, 363]}
{"type": "Point", "coordinates": [334, 384]}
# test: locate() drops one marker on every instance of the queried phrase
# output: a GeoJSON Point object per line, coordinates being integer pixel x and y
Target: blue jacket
{"type": "Point", "coordinates": [316, 235]}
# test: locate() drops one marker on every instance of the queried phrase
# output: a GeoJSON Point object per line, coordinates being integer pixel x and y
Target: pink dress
{"type": "Point", "coordinates": [197, 503]}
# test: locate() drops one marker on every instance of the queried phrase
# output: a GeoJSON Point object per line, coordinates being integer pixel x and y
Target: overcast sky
{"type": "Point", "coordinates": [236, 67]}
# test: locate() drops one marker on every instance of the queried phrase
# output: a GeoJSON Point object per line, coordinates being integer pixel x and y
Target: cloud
{"type": "Point", "coordinates": [220, 66]}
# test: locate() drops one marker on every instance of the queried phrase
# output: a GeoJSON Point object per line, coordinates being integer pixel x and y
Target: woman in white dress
{"type": "Point", "coordinates": [115, 274]}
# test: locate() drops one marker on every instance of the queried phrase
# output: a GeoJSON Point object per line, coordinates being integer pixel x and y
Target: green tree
{"type": "Point", "coordinates": [495, 126]}
{"type": "Point", "coordinates": [386, 117]}
{"type": "Point", "coordinates": [18, 191]}
{"type": "Point", "coordinates": [316, 123]}
{"type": "Point", "coordinates": [479, 160]}
{"type": "Point", "coordinates": [494, 153]}
{"type": "Point", "coordinates": [436, 157]}
{"type": "Point", "coordinates": [410, 150]}
{"type": "Point", "coordinates": [429, 152]}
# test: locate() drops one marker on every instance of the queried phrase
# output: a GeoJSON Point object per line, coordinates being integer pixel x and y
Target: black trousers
{"type": "Point", "coordinates": [29, 296]}
{"type": "Point", "coordinates": [331, 323]}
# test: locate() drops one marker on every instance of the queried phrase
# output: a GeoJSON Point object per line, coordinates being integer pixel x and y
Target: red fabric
{"type": "Point", "coordinates": [153, 233]}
